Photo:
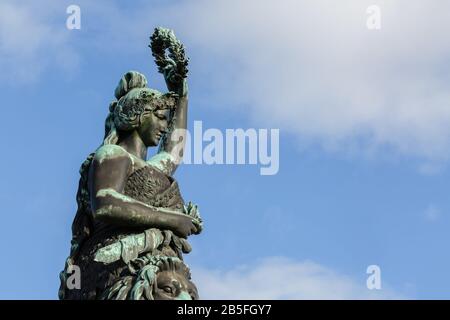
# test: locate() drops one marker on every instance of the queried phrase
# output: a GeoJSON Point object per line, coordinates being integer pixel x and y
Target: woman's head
{"type": "Point", "coordinates": [138, 108]}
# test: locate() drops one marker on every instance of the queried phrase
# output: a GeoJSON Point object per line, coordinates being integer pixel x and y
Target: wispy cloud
{"type": "Point", "coordinates": [310, 67]}
{"type": "Point", "coordinates": [31, 40]}
{"type": "Point", "coordinates": [282, 278]}
{"type": "Point", "coordinates": [314, 69]}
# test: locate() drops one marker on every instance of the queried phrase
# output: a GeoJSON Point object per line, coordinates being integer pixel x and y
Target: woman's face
{"type": "Point", "coordinates": [153, 126]}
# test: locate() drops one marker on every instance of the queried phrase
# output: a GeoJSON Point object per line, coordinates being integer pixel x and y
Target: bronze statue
{"type": "Point", "coordinates": [132, 224]}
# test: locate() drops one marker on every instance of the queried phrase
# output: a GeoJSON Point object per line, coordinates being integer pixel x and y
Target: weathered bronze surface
{"type": "Point", "coordinates": [130, 231]}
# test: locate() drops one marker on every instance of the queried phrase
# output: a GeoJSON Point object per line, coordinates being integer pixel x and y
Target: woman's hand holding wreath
{"type": "Point", "coordinates": [172, 65]}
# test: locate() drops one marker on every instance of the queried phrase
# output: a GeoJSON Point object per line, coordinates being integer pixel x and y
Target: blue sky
{"type": "Point", "coordinates": [364, 123]}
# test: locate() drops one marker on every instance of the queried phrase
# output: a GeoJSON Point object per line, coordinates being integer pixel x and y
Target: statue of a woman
{"type": "Point", "coordinates": [131, 217]}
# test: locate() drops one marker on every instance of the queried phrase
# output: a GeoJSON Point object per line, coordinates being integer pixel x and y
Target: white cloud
{"type": "Point", "coordinates": [282, 278]}
{"type": "Point", "coordinates": [30, 42]}
{"type": "Point", "coordinates": [310, 67]}
{"type": "Point", "coordinates": [314, 69]}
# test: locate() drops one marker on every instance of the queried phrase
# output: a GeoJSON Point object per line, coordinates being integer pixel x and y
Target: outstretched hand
{"type": "Point", "coordinates": [174, 81]}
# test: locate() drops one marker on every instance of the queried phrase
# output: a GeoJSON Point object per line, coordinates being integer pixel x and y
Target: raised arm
{"type": "Point", "coordinates": [170, 153]}
{"type": "Point", "coordinates": [107, 176]}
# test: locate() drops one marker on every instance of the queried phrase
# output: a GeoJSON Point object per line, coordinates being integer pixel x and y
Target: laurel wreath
{"type": "Point", "coordinates": [164, 39]}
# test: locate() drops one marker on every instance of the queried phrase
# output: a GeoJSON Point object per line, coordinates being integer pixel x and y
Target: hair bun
{"type": "Point", "coordinates": [130, 80]}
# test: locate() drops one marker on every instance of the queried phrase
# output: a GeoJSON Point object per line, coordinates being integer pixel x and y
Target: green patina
{"type": "Point", "coordinates": [117, 195]}
{"type": "Point", "coordinates": [109, 151]}
{"type": "Point", "coordinates": [130, 247]}
{"type": "Point", "coordinates": [133, 244]}
{"type": "Point", "coordinates": [162, 161]}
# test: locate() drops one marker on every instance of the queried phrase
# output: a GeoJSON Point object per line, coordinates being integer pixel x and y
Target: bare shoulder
{"type": "Point", "coordinates": [111, 167]}
{"type": "Point", "coordinates": [164, 162]}
{"type": "Point", "coordinates": [111, 152]}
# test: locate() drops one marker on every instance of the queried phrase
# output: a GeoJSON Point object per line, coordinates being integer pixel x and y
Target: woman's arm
{"type": "Point", "coordinates": [170, 153]}
{"type": "Point", "coordinates": [107, 176]}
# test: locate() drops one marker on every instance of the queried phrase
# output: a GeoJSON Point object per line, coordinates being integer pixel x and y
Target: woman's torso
{"type": "Point", "coordinates": [144, 183]}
